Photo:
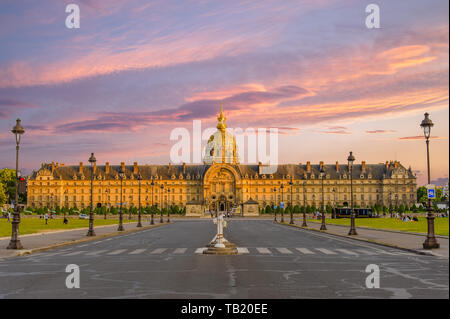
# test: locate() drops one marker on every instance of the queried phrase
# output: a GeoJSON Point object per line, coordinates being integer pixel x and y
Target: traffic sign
{"type": "Point", "coordinates": [275, 207]}
{"type": "Point", "coordinates": [431, 193]}
{"type": "Point", "coordinates": [282, 205]}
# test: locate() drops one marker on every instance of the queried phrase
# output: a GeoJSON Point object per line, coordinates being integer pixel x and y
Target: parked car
{"type": "Point", "coordinates": [84, 216]}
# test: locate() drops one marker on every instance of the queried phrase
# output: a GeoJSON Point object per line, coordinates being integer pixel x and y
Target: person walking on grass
{"type": "Point", "coordinates": [46, 218]}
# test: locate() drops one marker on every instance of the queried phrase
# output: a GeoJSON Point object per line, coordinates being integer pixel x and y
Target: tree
{"type": "Point", "coordinates": [7, 181]}
{"type": "Point", "coordinates": [269, 210]}
{"type": "Point", "coordinates": [422, 194]}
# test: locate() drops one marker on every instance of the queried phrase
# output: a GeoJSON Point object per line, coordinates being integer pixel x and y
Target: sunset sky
{"type": "Point", "coordinates": [135, 70]}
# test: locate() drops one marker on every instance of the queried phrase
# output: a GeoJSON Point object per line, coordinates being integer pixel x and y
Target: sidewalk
{"type": "Point", "coordinates": [409, 241]}
{"type": "Point", "coordinates": [48, 240]}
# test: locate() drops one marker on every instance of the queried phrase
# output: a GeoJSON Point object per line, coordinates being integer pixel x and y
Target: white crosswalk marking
{"type": "Point", "coordinates": [116, 252]}
{"type": "Point", "coordinates": [284, 251]}
{"type": "Point", "coordinates": [138, 251]}
{"type": "Point", "coordinates": [326, 251]}
{"type": "Point", "coordinates": [75, 253]}
{"type": "Point", "coordinates": [159, 250]}
{"type": "Point", "coordinates": [97, 252]}
{"type": "Point", "coordinates": [263, 250]}
{"type": "Point", "coordinates": [366, 252]}
{"type": "Point", "coordinates": [242, 250]}
{"type": "Point", "coordinates": [305, 251]}
{"type": "Point", "coordinates": [200, 250]}
{"type": "Point", "coordinates": [348, 252]}
{"type": "Point", "coordinates": [180, 251]}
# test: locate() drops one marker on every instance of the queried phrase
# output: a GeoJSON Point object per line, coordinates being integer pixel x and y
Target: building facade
{"type": "Point", "coordinates": [222, 183]}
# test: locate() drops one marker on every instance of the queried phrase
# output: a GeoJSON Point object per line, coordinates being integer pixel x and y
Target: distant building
{"type": "Point", "coordinates": [222, 183]}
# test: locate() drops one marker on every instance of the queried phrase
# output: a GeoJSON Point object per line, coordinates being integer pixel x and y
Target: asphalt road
{"type": "Point", "coordinates": [276, 261]}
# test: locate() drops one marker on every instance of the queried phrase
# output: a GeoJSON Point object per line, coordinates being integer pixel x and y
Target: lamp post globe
{"type": "Point", "coordinates": [322, 175]}
{"type": "Point", "coordinates": [92, 161]}
{"type": "Point", "coordinates": [15, 243]}
{"type": "Point", "coordinates": [351, 159]}
{"type": "Point", "coordinates": [121, 174]}
{"type": "Point", "coordinates": [430, 241]}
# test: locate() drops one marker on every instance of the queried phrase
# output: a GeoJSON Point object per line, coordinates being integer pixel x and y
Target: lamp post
{"type": "Point", "coordinates": [292, 208]}
{"type": "Point", "coordinates": [91, 232]}
{"type": "Point", "coordinates": [168, 202]}
{"type": "Point", "coordinates": [162, 201]}
{"type": "Point", "coordinates": [304, 205]}
{"type": "Point", "coordinates": [333, 215]}
{"type": "Point", "coordinates": [275, 195]}
{"type": "Point", "coordinates": [152, 222]}
{"type": "Point", "coordinates": [106, 200]}
{"type": "Point", "coordinates": [322, 175]}
{"type": "Point", "coordinates": [121, 176]}
{"type": "Point", "coordinates": [139, 178]}
{"type": "Point", "coordinates": [15, 241]}
{"type": "Point", "coordinates": [431, 241]}
{"type": "Point", "coordinates": [350, 160]}
{"type": "Point", "coordinates": [282, 202]}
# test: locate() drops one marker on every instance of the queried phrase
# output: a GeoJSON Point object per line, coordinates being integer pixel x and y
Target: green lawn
{"type": "Point", "coordinates": [440, 224]}
{"type": "Point", "coordinates": [36, 225]}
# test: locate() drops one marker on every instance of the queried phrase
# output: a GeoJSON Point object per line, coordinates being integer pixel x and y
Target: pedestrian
{"type": "Point", "coordinates": [46, 218]}
{"type": "Point", "coordinates": [9, 216]}
{"type": "Point", "coordinates": [66, 221]}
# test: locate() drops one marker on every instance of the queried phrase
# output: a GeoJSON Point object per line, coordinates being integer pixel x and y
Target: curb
{"type": "Point", "coordinates": [389, 230]}
{"type": "Point", "coordinates": [416, 251]}
{"type": "Point", "coordinates": [78, 241]}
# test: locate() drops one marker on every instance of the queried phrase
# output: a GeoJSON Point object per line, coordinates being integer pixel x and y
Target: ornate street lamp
{"type": "Point", "coordinates": [304, 205]}
{"type": "Point", "coordinates": [106, 200]}
{"type": "Point", "coordinates": [282, 202]}
{"type": "Point", "coordinates": [139, 178]}
{"type": "Point", "coordinates": [91, 232]}
{"type": "Point", "coordinates": [168, 206]}
{"type": "Point", "coordinates": [333, 215]}
{"type": "Point", "coordinates": [275, 195]}
{"type": "Point", "coordinates": [15, 241]}
{"type": "Point", "coordinates": [431, 241]}
{"type": "Point", "coordinates": [121, 176]}
{"type": "Point", "coordinates": [152, 222]}
{"type": "Point", "coordinates": [292, 208]}
{"type": "Point", "coordinates": [350, 160]}
{"type": "Point", "coordinates": [162, 201]}
{"type": "Point", "coordinates": [322, 175]}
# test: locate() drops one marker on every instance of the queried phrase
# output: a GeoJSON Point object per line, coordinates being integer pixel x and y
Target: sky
{"type": "Point", "coordinates": [136, 70]}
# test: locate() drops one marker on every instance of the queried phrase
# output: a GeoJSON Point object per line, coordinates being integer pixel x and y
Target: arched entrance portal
{"type": "Point", "coordinates": [220, 188]}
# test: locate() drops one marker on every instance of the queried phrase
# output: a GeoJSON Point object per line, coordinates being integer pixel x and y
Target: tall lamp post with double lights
{"type": "Point", "coordinates": [91, 232]}
{"type": "Point", "coordinates": [350, 160]}
{"type": "Point", "coordinates": [292, 207]}
{"type": "Point", "coordinates": [162, 201]}
{"type": "Point", "coordinates": [139, 178]}
{"type": "Point", "coordinates": [152, 222]}
{"type": "Point", "coordinates": [431, 241]}
{"type": "Point", "coordinates": [15, 241]}
{"type": "Point", "coordinates": [168, 205]}
{"type": "Point", "coordinates": [121, 176]}
{"type": "Point", "coordinates": [322, 175]}
{"type": "Point", "coordinates": [282, 202]}
{"type": "Point", "coordinates": [275, 195]}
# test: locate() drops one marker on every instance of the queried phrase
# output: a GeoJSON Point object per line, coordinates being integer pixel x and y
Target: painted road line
{"type": "Point", "coordinates": [97, 252]}
{"type": "Point", "coordinates": [284, 251]}
{"type": "Point", "coordinates": [200, 250]}
{"type": "Point", "coordinates": [263, 250]}
{"type": "Point", "coordinates": [305, 251]}
{"type": "Point", "coordinates": [326, 251]}
{"type": "Point", "coordinates": [75, 253]}
{"type": "Point", "coordinates": [159, 251]}
{"type": "Point", "coordinates": [180, 251]}
{"type": "Point", "coordinates": [242, 250]}
{"type": "Point", "coordinates": [366, 252]}
{"type": "Point", "coordinates": [116, 252]}
{"type": "Point", "coordinates": [138, 251]}
{"type": "Point", "coordinates": [345, 251]}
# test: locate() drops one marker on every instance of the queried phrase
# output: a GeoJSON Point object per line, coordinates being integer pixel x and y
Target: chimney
{"type": "Point", "coordinates": [107, 168]}
{"type": "Point", "coordinates": [363, 166]}
{"type": "Point", "coordinates": [321, 164]}
{"type": "Point", "coordinates": [122, 165]}
{"type": "Point", "coordinates": [170, 166]}
{"type": "Point", "coordinates": [80, 171]}
{"type": "Point", "coordinates": [57, 165]}
{"type": "Point", "coordinates": [184, 168]}
{"type": "Point", "coordinates": [337, 166]}
{"type": "Point", "coordinates": [308, 167]}
{"type": "Point", "coordinates": [53, 167]}
{"type": "Point", "coordinates": [95, 167]}
{"type": "Point", "coordinates": [135, 168]}
{"type": "Point", "coordinates": [387, 164]}
{"type": "Point", "coordinates": [300, 164]}
{"type": "Point", "coordinates": [396, 164]}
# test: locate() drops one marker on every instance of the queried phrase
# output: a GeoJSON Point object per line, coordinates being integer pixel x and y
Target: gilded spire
{"type": "Point", "coordinates": [221, 125]}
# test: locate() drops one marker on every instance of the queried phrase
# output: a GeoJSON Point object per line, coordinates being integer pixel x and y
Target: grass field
{"type": "Point", "coordinates": [36, 225]}
{"type": "Point", "coordinates": [440, 224]}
